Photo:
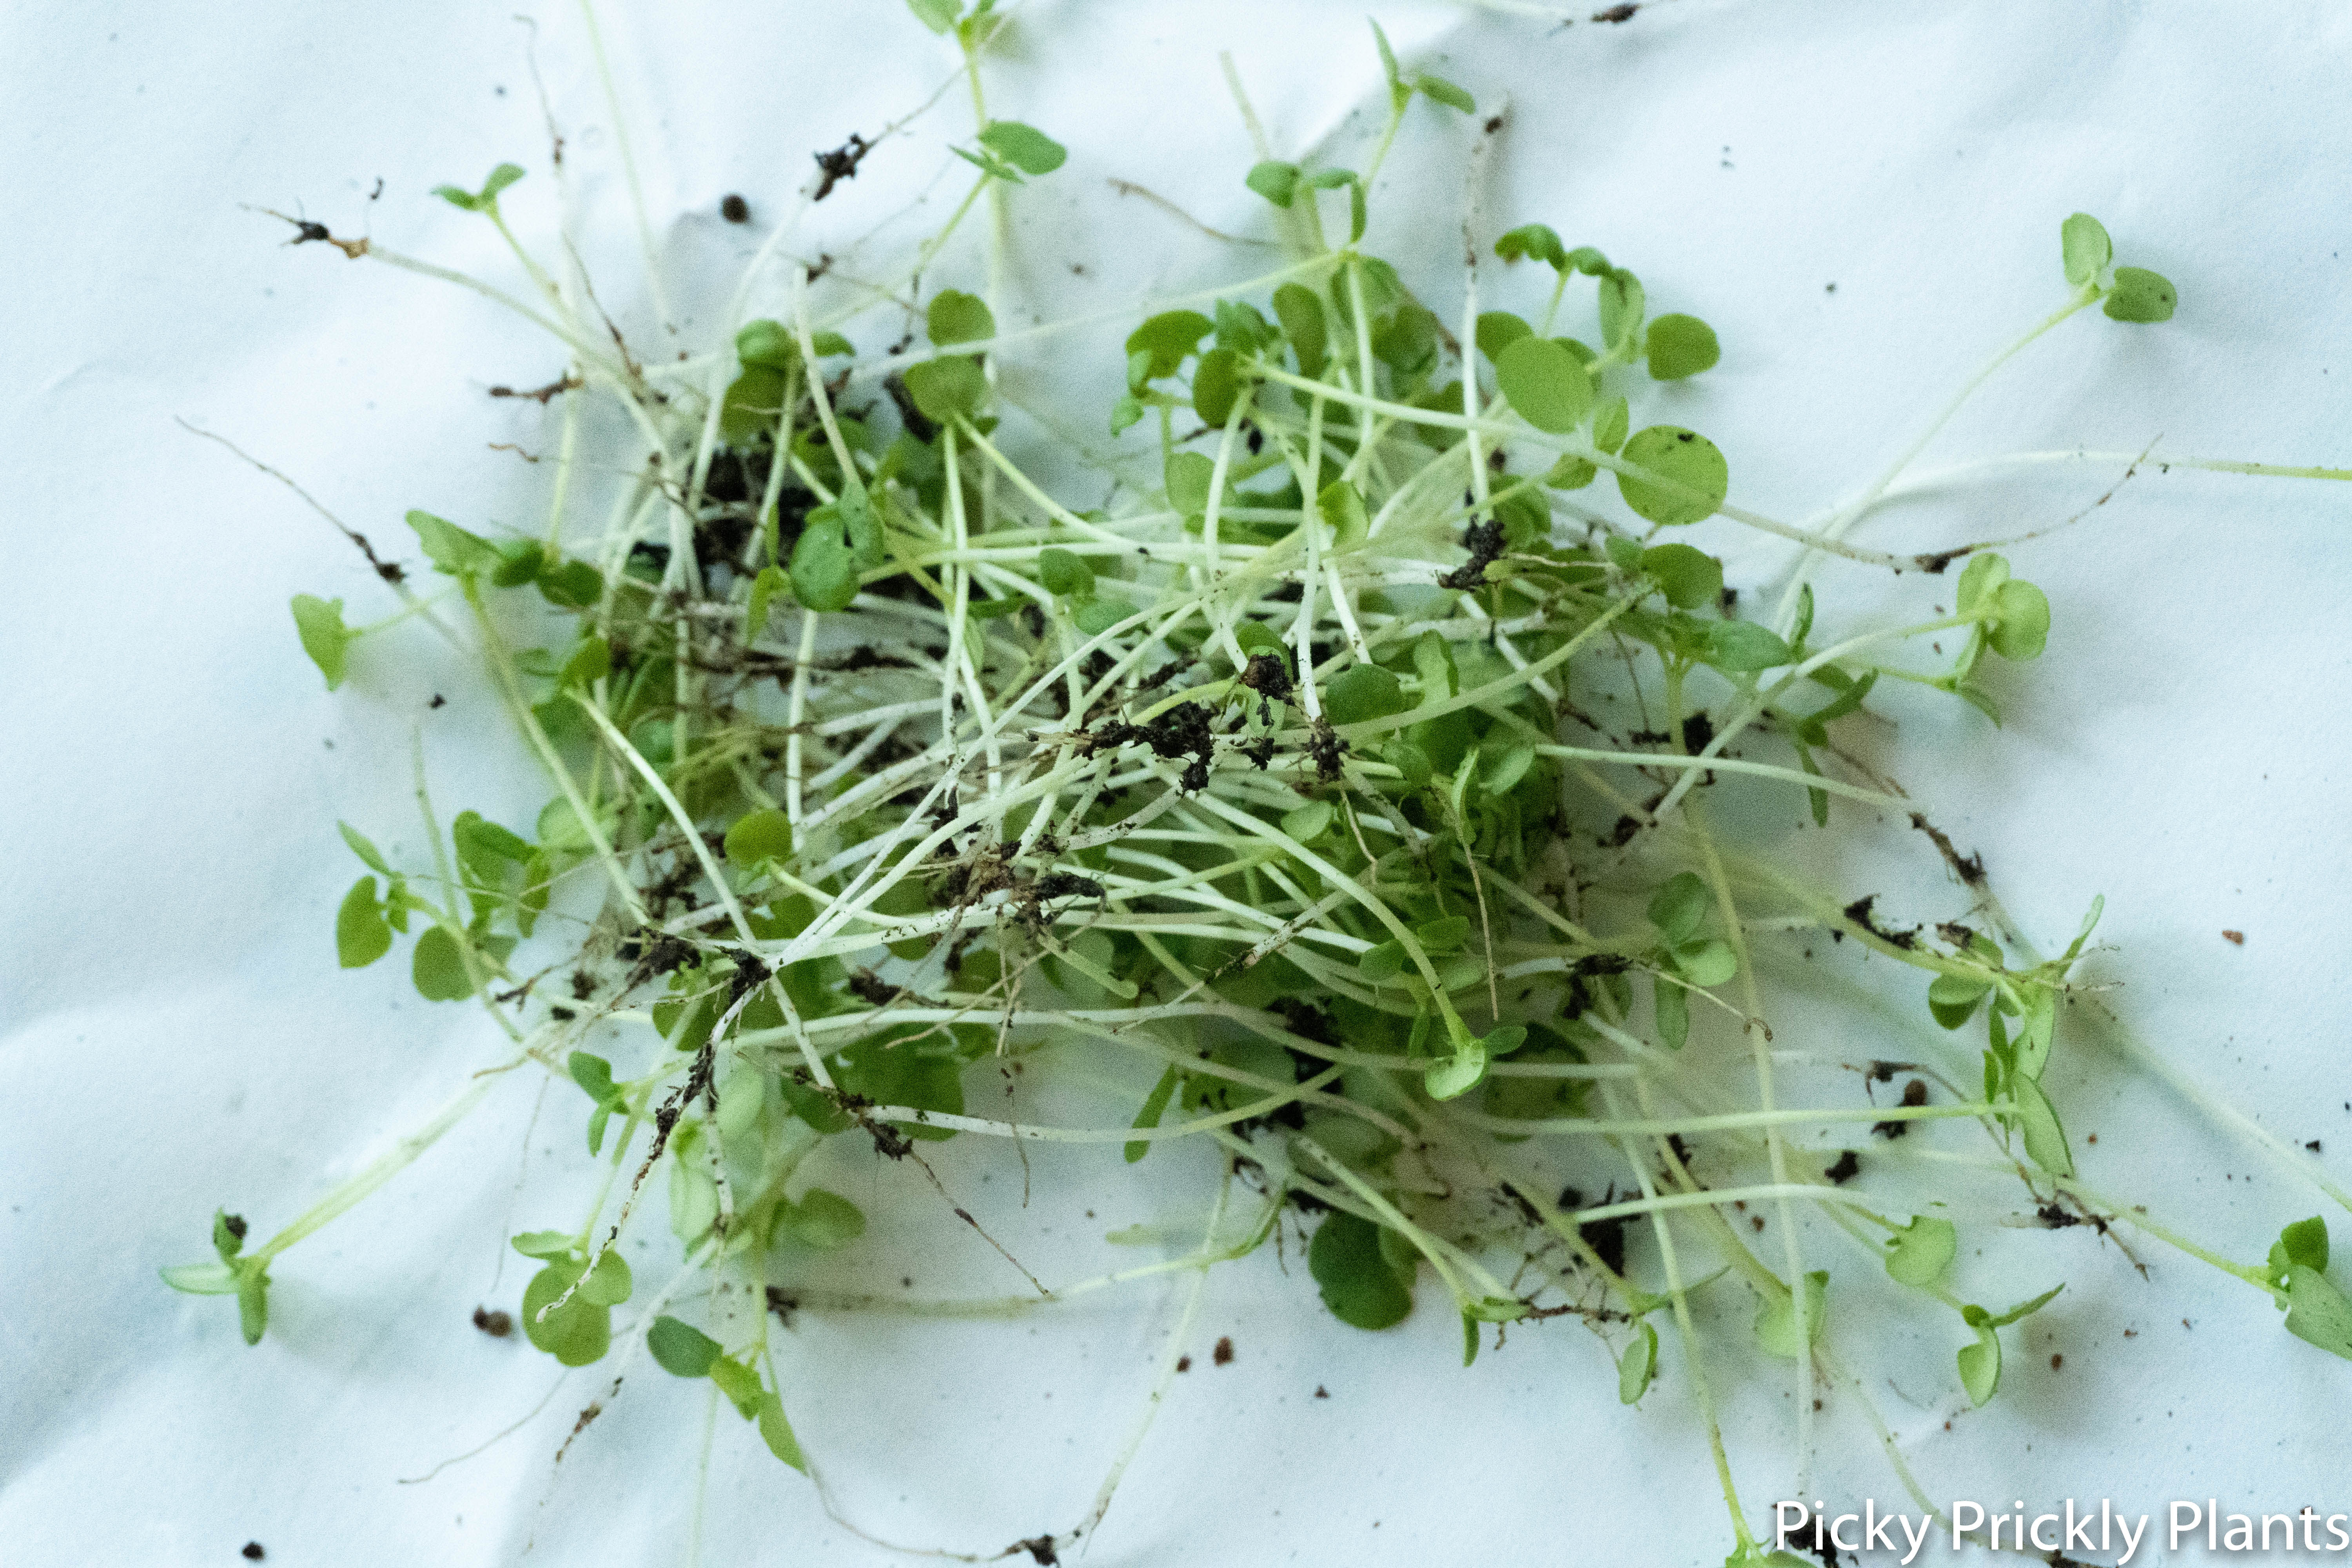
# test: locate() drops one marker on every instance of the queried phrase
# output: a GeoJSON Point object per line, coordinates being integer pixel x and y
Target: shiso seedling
{"type": "Point", "coordinates": [1257, 802]}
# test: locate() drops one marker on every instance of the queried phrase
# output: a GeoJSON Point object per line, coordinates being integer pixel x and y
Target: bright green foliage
{"type": "Point", "coordinates": [575, 1333]}
{"type": "Point", "coordinates": [1301, 315]}
{"type": "Point", "coordinates": [1358, 1283]}
{"type": "Point", "coordinates": [1776, 1320]}
{"type": "Point", "coordinates": [2085, 248]}
{"type": "Point", "coordinates": [320, 624]}
{"type": "Point", "coordinates": [1024, 147]}
{"type": "Point", "coordinates": [1533, 240]}
{"type": "Point", "coordinates": [948, 389]}
{"type": "Point", "coordinates": [1691, 477]}
{"type": "Point", "coordinates": [959, 318]}
{"type": "Point", "coordinates": [824, 1220]}
{"type": "Point", "coordinates": [484, 200]}
{"type": "Point", "coordinates": [1681, 345]}
{"type": "Point", "coordinates": [1277, 183]}
{"type": "Point", "coordinates": [362, 933]}
{"type": "Point", "coordinates": [759, 836]}
{"type": "Point", "coordinates": [1546, 385]}
{"type": "Point", "coordinates": [680, 1349]}
{"type": "Point", "coordinates": [1919, 1253]}
{"type": "Point", "coordinates": [439, 967]}
{"type": "Point", "coordinates": [2140, 295]}
{"type": "Point", "coordinates": [1637, 1365]}
{"type": "Point", "coordinates": [1980, 1362]}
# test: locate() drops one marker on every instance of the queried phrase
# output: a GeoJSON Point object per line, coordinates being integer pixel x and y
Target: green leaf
{"type": "Point", "coordinates": [1363, 691]}
{"type": "Point", "coordinates": [825, 1220]}
{"type": "Point", "coordinates": [577, 1333]}
{"type": "Point", "coordinates": [753, 404]}
{"type": "Point", "coordinates": [1689, 578]}
{"type": "Point", "coordinates": [1953, 998]}
{"type": "Point", "coordinates": [1696, 477]}
{"type": "Point", "coordinates": [1450, 1076]}
{"type": "Point", "coordinates": [1443, 935]}
{"type": "Point", "coordinates": [571, 586]}
{"type": "Point", "coordinates": [2317, 1313]}
{"type": "Point", "coordinates": [253, 1303]}
{"type": "Point", "coordinates": [1300, 311]}
{"type": "Point", "coordinates": [1918, 1253]}
{"type": "Point", "coordinates": [1708, 963]}
{"type": "Point", "coordinates": [1277, 183]}
{"type": "Point", "coordinates": [438, 967]}
{"type": "Point", "coordinates": [1382, 963]}
{"type": "Point", "coordinates": [1742, 647]}
{"type": "Point", "coordinates": [2140, 295]}
{"type": "Point", "coordinates": [1216, 386]}
{"type": "Point", "coordinates": [228, 1236]}
{"type": "Point", "coordinates": [944, 388]}
{"type": "Point", "coordinates": [2022, 1311]}
{"type": "Point", "coordinates": [740, 1383]}
{"type": "Point", "coordinates": [1679, 907]}
{"type": "Point", "coordinates": [452, 549]}
{"type": "Point", "coordinates": [1681, 345]}
{"type": "Point", "coordinates": [2303, 1244]}
{"type": "Point", "coordinates": [2045, 1136]}
{"type": "Point", "coordinates": [1024, 147]}
{"type": "Point", "coordinates": [1621, 304]}
{"type": "Point", "coordinates": [1498, 329]}
{"type": "Point", "coordinates": [1187, 478]}
{"type": "Point", "coordinates": [1309, 822]}
{"type": "Point", "coordinates": [362, 847]}
{"type": "Point", "coordinates": [362, 933]}
{"type": "Point", "coordinates": [767, 344]}
{"type": "Point", "coordinates": [1545, 385]}
{"type": "Point", "coordinates": [1355, 1278]}
{"type": "Point", "coordinates": [1610, 424]}
{"type": "Point", "coordinates": [939, 16]}
{"type": "Point", "coordinates": [824, 573]}
{"type": "Point", "coordinates": [1155, 1105]}
{"type": "Point", "coordinates": [777, 1432]}
{"type": "Point", "coordinates": [594, 1074]}
{"type": "Point", "coordinates": [1637, 1365]}
{"type": "Point", "coordinates": [1672, 1004]}
{"type": "Point", "coordinates": [502, 176]}
{"type": "Point", "coordinates": [679, 1348]}
{"type": "Point", "coordinates": [320, 624]}
{"type": "Point", "coordinates": [1439, 90]}
{"type": "Point", "coordinates": [2083, 246]}
{"type": "Point", "coordinates": [546, 1243]}
{"type": "Point", "coordinates": [1342, 506]}
{"type": "Point", "coordinates": [1776, 1322]}
{"type": "Point", "coordinates": [1536, 240]}
{"type": "Point", "coordinates": [1980, 1365]}
{"type": "Point", "coordinates": [1168, 338]}
{"type": "Point", "coordinates": [1099, 616]}
{"type": "Point", "coordinates": [1980, 580]}
{"type": "Point", "coordinates": [201, 1278]}
{"type": "Point", "coordinates": [2024, 629]}
{"type": "Point", "coordinates": [758, 836]}
{"type": "Point", "coordinates": [609, 1283]}
{"type": "Point", "coordinates": [959, 318]}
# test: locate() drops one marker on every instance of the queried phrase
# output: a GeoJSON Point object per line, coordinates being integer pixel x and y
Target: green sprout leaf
{"type": "Point", "coordinates": [1545, 385]}
{"type": "Point", "coordinates": [679, 1348]}
{"type": "Point", "coordinates": [1155, 1105]}
{"type": "Point", "coordinates": [1216, 386]}
{"type": "Point", "coordinates": [1358, 1283]}
{"type": "Point", "coordinates": [2084, 244]}
{"type": "Point", "coordinates": [1535, 241]}
{"type": "Point", "coordinates": [320, 624]}
{"type": "Point", "coordinates": [1680, 346]}
{"type": "Point", "coordinates": [609, 1283]}
{"type": "Point", "coordinates": [777, 1432]}
{"type": "Point", "coordinates": [2140, 295]}
{"type": "Point", "coordinates": [1689, 578]}
{"type": "Point", "coordinates": [1300, 311]}
{"type": "Point", "coordinates": [2022, 630]}
{"type": "Point", "coordinates": [1919, 1253]}
{"type": "Point", "coordinates": [362, 933]}
{"type": "Point", "coordinates": [2045, 1136]}
{"type": "Point", "coordinates": [939, 16]}
{"type": "Point", "coordinates": [1621, 304]}
{"type": "Point", "coordinates": [1679, 907]}
{"type": "Point", "coordinates": [1696, 477]}
{"type": "Point", "coordinates": [452, 549]}
{"type": "Point", "coordinates": [959, 318]}
{"type": "Point", "coordinates": [2318, 1312]}
{"type": "Point", "coordinates": [1277, 181]}
{"type": "Point", "coordinates": [486, 199]}
{"type": "Point", "coordinates": [1710, 962]}
{"type": "Point", "coordinates": [825, 1220]}
{"type": "Point", "coordinates": [943, 389]}
{"type": "Point", "coordinates": [2303, 1244]}
{"type": "Point", "coordinates": [545, 1244]}
{"type": "Point", "coordinates": [1167, 339]}
{"type": "Point", "coordinates": [1743, 647]}
{"type": "Point", "coordinates": [1610, 423]}
{"type": "Point", "coordinates": [1953, 998]}
{"type": "Point", "coordinates": [1776, 1321]}
{"type": "Point", "coordinates": [438, 967]}
{"type": "Point", "coordinates": [1440, 90]}
{"type": "Point", "coordinates": [1024, 147]}
{"type": "Point", "coordinates": [1637, 1365]}
{"type": "Point", "coordinates": [577, 1333]}
{"type": "Point", "coordinates": [760, 836]}
{"type": "Point", "coordinates": [1980, 1364]}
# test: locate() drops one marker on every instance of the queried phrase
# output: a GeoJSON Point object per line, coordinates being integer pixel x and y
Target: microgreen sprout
{"type": "Point", "coordinates": [1263, 800]}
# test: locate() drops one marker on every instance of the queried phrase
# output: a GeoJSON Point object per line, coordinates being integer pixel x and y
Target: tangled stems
{"type": "Point", "coordinates": [1268, 805]}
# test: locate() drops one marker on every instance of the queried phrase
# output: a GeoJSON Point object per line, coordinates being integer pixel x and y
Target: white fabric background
{"type": "Point", "coordinates": [177, 1035]}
